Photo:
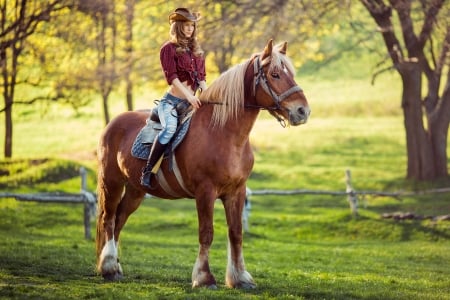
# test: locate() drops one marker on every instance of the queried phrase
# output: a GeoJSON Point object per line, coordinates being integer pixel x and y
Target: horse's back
{"type": "Point", "coordinates": [120, 133]}
{"type": "Point", "coordinates": [127, 120]}
{"type": "Point", "coordinates": [124, 124]}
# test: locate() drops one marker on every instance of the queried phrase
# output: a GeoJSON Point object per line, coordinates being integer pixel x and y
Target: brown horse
{"type": "Point", "coordinates": [213, 162]}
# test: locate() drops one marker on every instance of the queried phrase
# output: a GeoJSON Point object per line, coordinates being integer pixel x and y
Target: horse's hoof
{"type": "Point", "coordinates": [209, 286]}
{"type": "Point", "coordinates": [244, 285]}
{"type": "Point", "coordinates": [247, 286]}
{"type": "Point", "coordinates": [204, 280]}
{"type": "Point", "coordinates": [112, 276]}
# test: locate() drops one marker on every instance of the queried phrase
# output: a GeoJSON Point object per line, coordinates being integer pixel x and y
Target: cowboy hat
{"type": "Point", "coordinates": [183, 14]}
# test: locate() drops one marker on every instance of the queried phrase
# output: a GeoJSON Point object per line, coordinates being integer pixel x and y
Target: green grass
{"type": "Point", "coordinates": [299, 246]}
{"type": "Point", "coordinates": [316, 156]}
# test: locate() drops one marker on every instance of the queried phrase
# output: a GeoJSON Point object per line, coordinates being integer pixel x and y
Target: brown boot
{"type": "Point", "coordinates": [155, 154]}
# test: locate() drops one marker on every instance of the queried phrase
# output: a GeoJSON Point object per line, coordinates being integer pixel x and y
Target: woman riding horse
{"type": "Point", "coordinates": [183, 65]}
{"type": "Point", "coordinates": [217, 169]}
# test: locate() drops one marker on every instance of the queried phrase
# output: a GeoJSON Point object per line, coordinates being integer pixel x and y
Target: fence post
{"type": "Point", "coordinates": [246, 210]}
{"type": "Point", "coordinates": [87, 205]}
{"type": "Point", "coordinates": [351, 195]}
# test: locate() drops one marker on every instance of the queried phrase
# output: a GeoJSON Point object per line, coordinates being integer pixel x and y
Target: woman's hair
{"type": "Point", "coordinates": [177, 37]}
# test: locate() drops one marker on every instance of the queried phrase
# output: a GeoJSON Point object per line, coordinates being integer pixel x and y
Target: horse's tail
{"type": "Point", "coordinates": [102, 159]}
{"type": "Point", "coordinates": [100, 236]}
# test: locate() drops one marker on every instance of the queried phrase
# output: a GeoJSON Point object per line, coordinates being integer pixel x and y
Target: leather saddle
{"type": "Point", "coordinates": [146, 136]}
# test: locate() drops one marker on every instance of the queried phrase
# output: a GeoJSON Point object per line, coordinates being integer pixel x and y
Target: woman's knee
{"type": "Point", "coordinates": [167, 133]}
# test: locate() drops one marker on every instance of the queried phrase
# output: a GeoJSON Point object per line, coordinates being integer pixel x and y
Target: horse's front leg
{"type": "Point", "coordinates": [201, 274]}
{"type": "Point", "coordinates": [236, 275]}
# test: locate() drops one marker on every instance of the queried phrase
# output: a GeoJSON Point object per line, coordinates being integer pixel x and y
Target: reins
{"type": "Point", "coordinates": [260, 78]}
{"type": "Point", "coordinates": [212, 102]}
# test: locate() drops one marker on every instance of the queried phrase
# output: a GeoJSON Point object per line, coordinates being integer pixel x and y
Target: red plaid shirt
{"type": "Point", "coordinates": [182, 66]}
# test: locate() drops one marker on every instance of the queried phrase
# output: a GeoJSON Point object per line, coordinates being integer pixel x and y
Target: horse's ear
{"type": "Point", "coordinates": [283, 48]}
{"type": "Point", "coordinates": [268, 49]}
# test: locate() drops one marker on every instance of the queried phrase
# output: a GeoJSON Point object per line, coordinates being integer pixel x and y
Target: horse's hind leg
{"type": "Point", "coordinates": [131, 200]}
{"type": "Point", "coordinates": [109, 261]}
{"type": "Point", "coordinates": [236, 275]}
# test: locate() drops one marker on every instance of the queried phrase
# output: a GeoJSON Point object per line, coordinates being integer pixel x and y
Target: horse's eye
{"type": "Point", "coordinates": [276, 75]}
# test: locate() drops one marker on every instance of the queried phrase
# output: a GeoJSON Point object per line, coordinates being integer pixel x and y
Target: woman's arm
{"type": "Point", "coordinates": [193, 100]}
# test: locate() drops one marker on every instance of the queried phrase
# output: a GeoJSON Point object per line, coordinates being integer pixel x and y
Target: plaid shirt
{"type": "Point", "coordinates": [184, 66]}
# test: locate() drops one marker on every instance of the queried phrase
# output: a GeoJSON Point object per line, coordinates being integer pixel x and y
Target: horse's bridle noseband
{"type": "Point", "coordinates": [261, 78]}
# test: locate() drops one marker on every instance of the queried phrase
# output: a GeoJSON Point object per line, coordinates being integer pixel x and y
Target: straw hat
{"type": "Point", "coordinates": [183, 14]}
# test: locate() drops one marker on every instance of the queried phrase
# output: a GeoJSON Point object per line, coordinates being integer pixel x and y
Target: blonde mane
{"type": "Point", "coordinates": [228, 88]}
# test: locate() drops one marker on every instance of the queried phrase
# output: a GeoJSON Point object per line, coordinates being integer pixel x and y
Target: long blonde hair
{"type": "Point", "coordinates": [183, 43]}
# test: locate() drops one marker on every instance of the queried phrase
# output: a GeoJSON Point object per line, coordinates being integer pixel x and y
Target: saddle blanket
{"type": "Point", "coordinates": [143, 142]}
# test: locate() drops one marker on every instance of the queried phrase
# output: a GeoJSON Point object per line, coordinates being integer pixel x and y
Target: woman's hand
{"type": "Point", "coordinates": [188, 94]}
{"type": "Point", "coordinates": [194, 101]}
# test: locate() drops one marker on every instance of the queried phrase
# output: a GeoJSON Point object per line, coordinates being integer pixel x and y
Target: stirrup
{"type": "Point", "coordinates": [146, 179]}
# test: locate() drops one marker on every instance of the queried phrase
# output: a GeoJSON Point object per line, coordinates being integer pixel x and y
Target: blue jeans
{"type": "Point", "coordinates": [168, 117]}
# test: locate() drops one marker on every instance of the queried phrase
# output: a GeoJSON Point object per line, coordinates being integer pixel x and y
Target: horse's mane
{"type": "Point", "coordinates": [228, 88]}
{"type": "Point", "coordinates": [228, 91]}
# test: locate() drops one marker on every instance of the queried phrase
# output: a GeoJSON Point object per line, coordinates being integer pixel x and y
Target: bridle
{"type": "Point", "coordinates": [260, 78]}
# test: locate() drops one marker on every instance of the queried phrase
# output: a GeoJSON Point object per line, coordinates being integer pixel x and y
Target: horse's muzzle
{"type": "Point", "coordinates": [299, 115]}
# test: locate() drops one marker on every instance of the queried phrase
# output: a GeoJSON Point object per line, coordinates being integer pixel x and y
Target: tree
{"type": "Point", "coordinates": [247, 25]}
{"type": "Point", "coordinates": [92, 49]}
{"type": "Point", "coordinates": [423, 55]}
{"type": "Point", "coordinates": [129, 17]}
{"type": "Point", "coordinates": [103, 13]}
{"type": "Point", "coordinates": [19, 20]}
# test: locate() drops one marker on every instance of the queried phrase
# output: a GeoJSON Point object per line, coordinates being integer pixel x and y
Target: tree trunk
{"type": "Point", "coordinates": [418, 142]}
{"type": "Point", "coordinates": [438, 133]}
{"type": "Point", "coordinates": [438, 128]}
{"type": "Point", "coordinates": [105, 108]}
{"type": "Point", "coordinates": [8, 131]}
{"type": "Point", "coordinates": [8, 95]}
{"type": "Point", "coordinates": [129, 12]}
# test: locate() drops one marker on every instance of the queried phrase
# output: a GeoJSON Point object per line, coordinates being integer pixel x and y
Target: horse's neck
{"type": "Point", "coordinates": [239, 129]}
{"type": "Point", "coordinates": [243, 124]}
{"type": "Point", "coordinates": [235, 131]}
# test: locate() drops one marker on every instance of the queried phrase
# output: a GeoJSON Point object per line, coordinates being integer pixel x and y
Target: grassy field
{"type": "Point", "coordinates": [298, 247]}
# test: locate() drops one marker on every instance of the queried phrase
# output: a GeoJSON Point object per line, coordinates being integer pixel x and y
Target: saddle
{"type": "Point", "coordinates": [146, 136]}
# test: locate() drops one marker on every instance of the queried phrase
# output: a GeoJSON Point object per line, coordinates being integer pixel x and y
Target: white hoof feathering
{"type": "Point", "coordinates": [238, 277]}
{"type": "Point", "coordinates": [200, 278]}
{"type": "Point", "coordinates": [241, 279]}
{"type": "Point", "coordinates": [109, 259]}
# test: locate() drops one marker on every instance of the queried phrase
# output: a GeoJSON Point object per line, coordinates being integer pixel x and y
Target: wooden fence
{"type": "Point", "coordinates": [352, 195]}
{"type": "Point", "coordinates": [85, 197]}
{"type": "Point", "coordinates": [89, 199]}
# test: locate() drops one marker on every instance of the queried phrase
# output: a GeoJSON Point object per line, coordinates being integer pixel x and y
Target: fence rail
{"type": "Point", "coordinates": [85, 197]}
{"type": "Point", "coordinates": [350, 193]}
{"type": "Point", "coordinates": [345, 193]}
{"type": "Point", "coordinates": [89, 199]}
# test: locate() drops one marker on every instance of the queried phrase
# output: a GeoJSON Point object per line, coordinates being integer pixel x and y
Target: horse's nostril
{"type": "Point", "coordinates": [301, 111]}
